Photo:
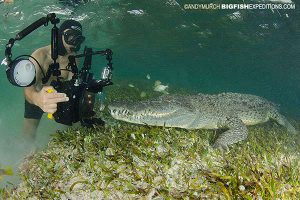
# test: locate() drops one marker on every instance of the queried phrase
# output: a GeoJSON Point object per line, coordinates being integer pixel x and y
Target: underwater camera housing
{"type": "Point", "coordinates": [21, 72]}
{"type": "Point", "coordinates": [78, 89]}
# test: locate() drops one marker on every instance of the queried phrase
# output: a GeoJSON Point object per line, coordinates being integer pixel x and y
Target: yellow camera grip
{"type": "Point", "coordinates": [50, 116]}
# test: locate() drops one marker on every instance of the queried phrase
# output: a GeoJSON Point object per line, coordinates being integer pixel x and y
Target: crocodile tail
{"type": "Point", "coordinates": [280, 119]}
{"type": "Point", "coordinates": [290, 128]}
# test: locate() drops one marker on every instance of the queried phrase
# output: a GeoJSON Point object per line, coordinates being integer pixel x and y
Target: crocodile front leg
{"type": "Point", "coordinates": [237, 132]}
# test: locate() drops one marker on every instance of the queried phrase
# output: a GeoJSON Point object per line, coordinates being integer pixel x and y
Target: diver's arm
{"type": "Point", "coordinates": [46, 101]}
{"type": "Point", "coordinates": [70, 75]}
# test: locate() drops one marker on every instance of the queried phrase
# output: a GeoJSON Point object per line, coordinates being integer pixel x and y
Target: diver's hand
{"type": "Point", "coordinates": [48, 101]}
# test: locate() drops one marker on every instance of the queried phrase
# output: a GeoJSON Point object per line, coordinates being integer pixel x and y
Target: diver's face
{"type": "Point", "coordinates": [68, 48]}
{"type": "Point", "coordinates": [72, 40]}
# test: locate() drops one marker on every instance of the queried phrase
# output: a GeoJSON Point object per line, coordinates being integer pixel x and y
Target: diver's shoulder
{"type": "Point", "coordinates": [42, 52]}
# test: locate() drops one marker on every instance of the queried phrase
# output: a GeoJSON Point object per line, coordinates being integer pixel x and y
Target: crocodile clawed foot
{"type": "Point", "coordinates": [221, 147]}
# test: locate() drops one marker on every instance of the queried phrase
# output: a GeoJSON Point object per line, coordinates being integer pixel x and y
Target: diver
{"type": "Point", "coordinates": [37, 98]}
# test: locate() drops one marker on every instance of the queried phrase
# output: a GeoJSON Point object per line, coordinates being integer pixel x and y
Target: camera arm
{"type": "Point", "coordinates": [106, 76]}
{"type": "Point", "coordinates": [35, 25]}
{"type": "Point", "coordinates": [86, 77]}
{"type": "Point", "coordinates": [54, 67]}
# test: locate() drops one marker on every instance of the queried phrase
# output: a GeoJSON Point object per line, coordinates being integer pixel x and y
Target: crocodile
{"type": "Point", "coordinates": [230, 111]}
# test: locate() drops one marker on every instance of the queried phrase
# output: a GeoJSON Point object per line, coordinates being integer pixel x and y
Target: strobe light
{"type": "Point", "coordinates": [21, 73]}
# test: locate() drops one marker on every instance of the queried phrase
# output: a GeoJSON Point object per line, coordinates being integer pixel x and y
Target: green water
{"type": "Point", "coordinates": [203, 51]}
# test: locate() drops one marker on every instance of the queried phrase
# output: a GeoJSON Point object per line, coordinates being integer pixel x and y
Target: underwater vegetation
{"type": "Point", "coordinates": [141, 162]}
{"type": "Point", "coordinates": [7, 171]}
{"type": "Point", "coordinates": [125, 161]}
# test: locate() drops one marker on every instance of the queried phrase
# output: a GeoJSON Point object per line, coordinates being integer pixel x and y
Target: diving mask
{"type": "Point", "coordinates": [73, 37]}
